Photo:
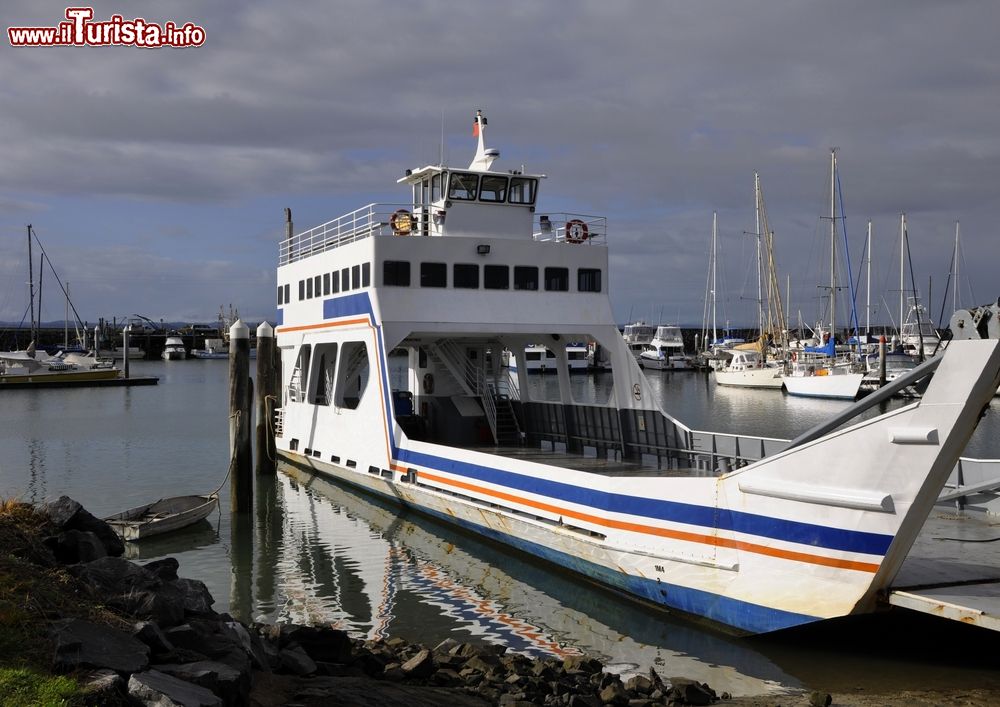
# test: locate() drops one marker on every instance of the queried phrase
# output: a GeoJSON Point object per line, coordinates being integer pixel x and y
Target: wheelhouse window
{"type": "Point", "coordinates": [281, 292]}
{"type": "Point", "coordinates": [493, 188]}
{"type": "Point", "coordinates": [496, 277]}
{"type": "Point", "coordinates": [522, 190]}
{"type": "Point", "coordinates": [466, 275]}
{"type": "Point", "coordinates": [396, 272]}
{"type": "Point", "coordinates": [588, 280]}
{"type": "Point", "coordinates": [355, 277]}
{"type": "Point", "coordinates": [433, 275]}
{"type": "Point", "coordinates": [436, 186]}
{"type": "Point", "coordinates": [557, 279]}
{"type": "Point", "coordinates": [525, 277]}
{"type": "Point", "coordinates": [463, 186]}
{"type": "Point", "coordinates": [366, 274]}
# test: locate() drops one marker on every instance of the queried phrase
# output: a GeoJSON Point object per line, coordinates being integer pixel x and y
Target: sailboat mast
{"type": "Point", "coordinates": [868, 285]}
{"type": "Point", "coordinates": [902, 265]}
{"type": "Point", "coordinates": [31, 285]}
{"type": "Point", "coordinates": [715, 245]}
{"type": "Point", "coordinates": [760, 292]}
{"type": "Point", "coordinates": [833, 243]}
{"type": "Point", "coordinates": [66, 320]}
{"type": "Point", "coordinates": [955, 293]}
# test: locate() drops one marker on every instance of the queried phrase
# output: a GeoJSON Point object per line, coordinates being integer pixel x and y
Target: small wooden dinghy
{"type": "Point", "coordinates": [163, 516]}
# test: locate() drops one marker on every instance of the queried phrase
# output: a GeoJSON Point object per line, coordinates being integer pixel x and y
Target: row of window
{"type": "Point", "coordinates": [495, 188]}
{"type": "Point", "coordinates": [396, 273]}
{"type": "Point", "coordinates": [494, 277]}
{"type": "Point", "coordinates": [330, 283]}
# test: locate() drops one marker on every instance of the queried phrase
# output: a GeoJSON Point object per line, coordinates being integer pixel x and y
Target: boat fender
{"type": "Point", "coordinates": [576, 231]}
{"type": "Point", "coordinates": [401, 222]}
{"type": "Point", "coordinates": [428, 383]}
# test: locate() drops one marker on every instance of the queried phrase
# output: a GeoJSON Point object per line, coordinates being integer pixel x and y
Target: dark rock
{"type": "Point", "coordinates": [446, 677]}
{"type": "Point", "coordinates": [223, 680]}
{"type": "Point", "coordinates": [327, 644]}
{"type": "Point", "coordinates": [614, 694]}
{"type": "Point", "coordinates": [583, 664]}
{"type": "Point", "coordinates": [444, 647]}
{"type": "Point", "coordinates": [419, 666]}
{"type": "Point", "coordinates": [67, 514]}
{"type": "Point", "coordinates": [165, 569]}
{"type": "Point", "coordinates": [195, 597]}
{"type": "Point", "coordinates": [103, 686]}
{"type": "Point", "coordinates": [151, 634]}
{"type": "Point", "coordinates": [818, 698]}
{"type": "Point", "coordinates": [466, 650]}
{"type": "Point", "coordinates": [84, 644]}
{"type": "Point", "coordinates": [691, 692]}
{"type": "Point", "coordinates": [393, 673]}
{"type": "Point", "coordinates": [252, 645]}
{"type": "Point", "coordinates": [155, 688]}
{"type": "Point", "coordinates": [73, 546]}
{"type": "Point", "coordinates": [482, 663]}
{"type": "Point", "coordinates": [295, 660]}
{"type": "Point", "coordinates": [585, 701]}
{"type": "Point", "coordinates": [639, 684]}
{"type": "Point", "coordinates": [114, 575]}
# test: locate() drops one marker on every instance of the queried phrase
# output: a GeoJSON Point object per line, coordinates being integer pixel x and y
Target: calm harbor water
{"type": "Point", "coordinates": [315, 552]}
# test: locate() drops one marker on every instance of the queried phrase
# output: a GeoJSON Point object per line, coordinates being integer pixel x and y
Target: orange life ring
{"type": "Point", "coordinates": [576, 231]}
{"type": "Point", "coordinates": [401, 222]}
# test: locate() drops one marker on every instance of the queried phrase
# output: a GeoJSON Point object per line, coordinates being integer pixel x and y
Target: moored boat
{"type": "Point", "coordinates": [752, 533]}
{"type": "Point", "coordinates": [162, 516]}
{"type": "Point", "coordinates": [173, 349]}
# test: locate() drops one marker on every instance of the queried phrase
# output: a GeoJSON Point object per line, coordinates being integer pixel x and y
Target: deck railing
{"type": "Point", "coordinates": [566, 228]}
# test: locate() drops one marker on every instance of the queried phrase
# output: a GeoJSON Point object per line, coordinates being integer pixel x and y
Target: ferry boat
{"type": "Point", "coordinates": [753, 533]}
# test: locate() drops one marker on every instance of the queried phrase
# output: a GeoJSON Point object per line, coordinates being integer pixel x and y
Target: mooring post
{"type": "Point", "coordinates": [266, 379]}
{"type": "Point", "coordinates": [881, 361]}
{"type": "Point", "coordinates": [125, 332]}
{"type": "Point", "coordinates": [241, 454]}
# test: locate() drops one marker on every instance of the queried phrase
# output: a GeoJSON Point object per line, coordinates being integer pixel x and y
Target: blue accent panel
{"type": "Point", "coordinates": [279, 318]}
{"type": "Point", "coordinates": [348, 305]}
{"type": "Point", "coordinates": [704, 516]}
{"type": "Point", "coordinates": [656, 509]}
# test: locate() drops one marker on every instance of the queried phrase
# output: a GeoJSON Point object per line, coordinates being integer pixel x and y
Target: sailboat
{"type": "Point", "coordinates": [749, 366]}
{"type": "Point", "coordinates": [816, 372]}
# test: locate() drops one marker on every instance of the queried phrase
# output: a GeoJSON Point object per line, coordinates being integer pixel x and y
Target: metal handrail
{"type": "Point", "coordinates": [553, 227]}
{"type": "Point", "coordinates": [475, 379]}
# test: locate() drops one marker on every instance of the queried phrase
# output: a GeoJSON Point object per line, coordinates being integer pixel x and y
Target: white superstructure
{"type": "Point", "coordinates": [753, 533]}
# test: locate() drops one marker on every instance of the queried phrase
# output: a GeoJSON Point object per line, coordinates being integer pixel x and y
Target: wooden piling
{"type": "Point", "coordinates": [240, 450]}
{"type": "Point", "coordinates": [881, 362]}
{"type": "Point", "coordinates": [267, 389]}
{"type": "Point", "coordinates": [125, 332]}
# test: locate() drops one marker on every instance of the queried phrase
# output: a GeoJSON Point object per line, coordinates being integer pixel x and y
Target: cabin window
{"type": "Point", "coordinates": [355, 277]}
{"type": "Point", "coordinates": [493, 188]}
{"type": "Point", "coordinates": [302, 290]}
{"type": "Point", "coordinates": [436, 187]}
{"type": "Point", "coordinates": [396, 272]}
{"type": "Point", "coordinates": [321, 377]}
{"type": "Point", "coordinates": [557, 279]}
{"type": "Point", "coordinates": [335, 282]}
{"type": "Point", "coordinates": [309, 288]}
{"type": "Point", "coordinates": [522, 190]}
{"type": "Point", "coordinates": [317, 282]}
{"type": "Point", "coordinates": [345, 279]}
{"type": "Point", "coordinates": [326, 283]}
{"type": "Point", "coordinates": [281, 292]}
{"type": "Point", "coordinates": [496, 277]}
{"type": "Point", "coordinates": [463, 186]}
{"type": "Point", "coordinates": [297, 383]}
{"type": "Point", "coordinates": [588, 280]}
{"type": "Point", "coordinates": [433, 275]}
{"type": "Point", "coordinates": [525, 277]}
{"type": "Point", "coordinates": [352, 375]}
{"type": "Point", "coordinates": [366, 274]}
{"type": "Point", "coordinates": [288, 294]}
{"type": "Point", "coordinates": [466, 275]}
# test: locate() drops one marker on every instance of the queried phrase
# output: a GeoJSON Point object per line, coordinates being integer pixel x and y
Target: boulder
{"type": "Point", "coordinates": [251, 643]}
{"type": "Point", "coordinates": [223, 680]}
{"type": "Point", "coordinates": [165, 569]}
{"type": "Point", "coordinates": [614, 694]}
{"type": "Point", "coordinates": [326, 644]}
{"type": "Point", "coordinates": [691, 692]}
{"type": "Point", "coordinates": [152, 687]}
{"type": "Point", "coordinates": [419, 666]}
{"type": "Point", "coordinates": [73, 546]}
{"type": "Point", "coordinates": [194, 596]}
{"type": "Point", "coordinates": [295, 660]}
{"type": "Point", "coordinates": [103, 686]}
{"type": "Point", "coordinates": [151, 634]}
{"type": "Point", "coordinates": [67, 514]}
{"type": "Point", "coordinates": [84, 644]}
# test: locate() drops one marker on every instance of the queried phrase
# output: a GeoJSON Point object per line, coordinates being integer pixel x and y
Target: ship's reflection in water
{"type": "Point", "coordinates": [330, 555]}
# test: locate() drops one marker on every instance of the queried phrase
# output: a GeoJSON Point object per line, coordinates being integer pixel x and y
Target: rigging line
{"type": "Point", "coordinates": [56, 275]}
{"type": "Point", "coordinates": [947, 284]}
{"type": "Point", "coordinates": [916, 306]}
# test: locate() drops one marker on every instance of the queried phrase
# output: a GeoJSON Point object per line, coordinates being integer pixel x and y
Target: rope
{"type": "Point", "coordinates": [232, 457]}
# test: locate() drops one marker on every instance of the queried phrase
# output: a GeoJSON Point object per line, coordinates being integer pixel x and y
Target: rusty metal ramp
{"type": "Point", "coordinates": [953, 570]}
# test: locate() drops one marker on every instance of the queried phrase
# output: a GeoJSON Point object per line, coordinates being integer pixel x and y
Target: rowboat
{"type": "Point", "coordinates": [162, 516]}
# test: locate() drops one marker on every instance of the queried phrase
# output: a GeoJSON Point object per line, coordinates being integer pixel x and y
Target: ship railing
{"type": "Point", "coordinates": [722, 452]}
{"type": "Point", "coordinates": [372, 220]}
{"type": "Point", "coordinates": [974, 484]}
{"type": "Point", "coordinates": [279, 422]}
{"type": "Point", "coordinates": [473, 377]}
{"type": "Point", "coordinates": [571, 228]}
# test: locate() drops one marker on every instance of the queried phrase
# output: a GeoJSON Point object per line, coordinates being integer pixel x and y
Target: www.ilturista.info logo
{"type": "Point", "coordinates": [81, 31]}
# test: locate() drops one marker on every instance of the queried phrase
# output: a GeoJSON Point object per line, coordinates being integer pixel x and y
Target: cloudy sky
{"type": "Point", "coordinates": [156, 179]}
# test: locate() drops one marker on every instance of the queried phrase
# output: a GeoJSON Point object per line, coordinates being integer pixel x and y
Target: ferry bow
{"type": "Point", "coordinates": [392, 325]}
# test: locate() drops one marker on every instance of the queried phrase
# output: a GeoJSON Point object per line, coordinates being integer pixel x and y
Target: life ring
{"type": "Point", "coordinates": [401, 222]}
{"type": "Point", "coordinates": [795, 357]}
{"type": "Point", "coordinates": [576, 231]}
{"type": "Point", "coordinates": [428, 383]}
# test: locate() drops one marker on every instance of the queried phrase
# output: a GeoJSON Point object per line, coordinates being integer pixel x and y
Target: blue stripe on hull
{"type": "Point", "coordinates": [745, 616]}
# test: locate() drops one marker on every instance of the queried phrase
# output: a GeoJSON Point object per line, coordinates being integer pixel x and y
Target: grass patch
{"type": "Point", "coordinates": [23, 687]}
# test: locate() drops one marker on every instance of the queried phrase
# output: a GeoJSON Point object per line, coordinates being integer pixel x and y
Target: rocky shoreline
{"type": "Point", "coordinates": [170, 647]}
